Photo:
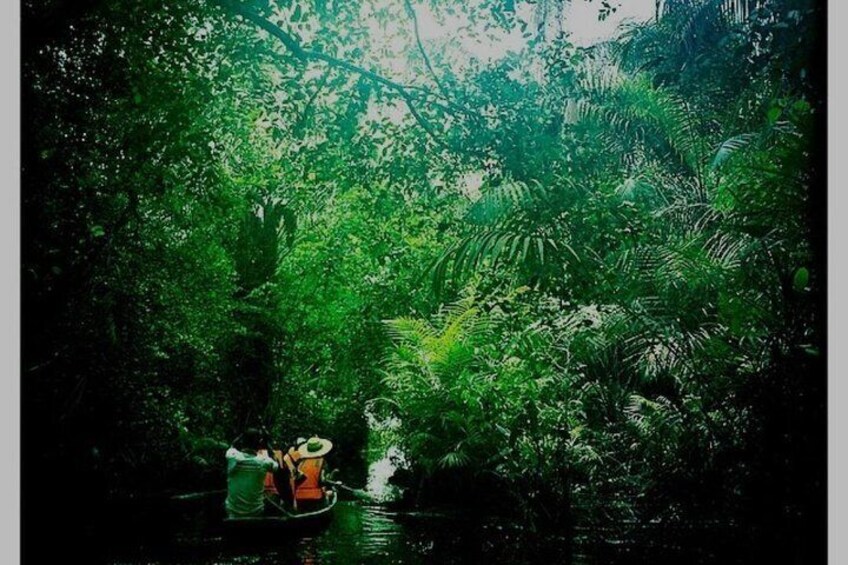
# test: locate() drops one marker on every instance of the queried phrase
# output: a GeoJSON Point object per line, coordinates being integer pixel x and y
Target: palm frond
{"type": "Point", "coordinates": [492, 247]}
{"type": "Point", "coordinates": [498, 201]}
{"type": "Point", "coordinates": [730, 147]}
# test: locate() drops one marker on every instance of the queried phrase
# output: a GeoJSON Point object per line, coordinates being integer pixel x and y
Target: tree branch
{"type": "Point", "coordinates": [304, 54]}
{"type": "Point", "coordinates": [450, 105]}
{"type": "Point", "coordinates": [301, 122]}
{"type": "Point", "coordinates": [411, 11]}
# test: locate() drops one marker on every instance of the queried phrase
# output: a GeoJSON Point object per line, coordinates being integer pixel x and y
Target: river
{"type": "Point", "coordinates": [370, 533]}
{"type": "Point", "coordinates": [188, 532]}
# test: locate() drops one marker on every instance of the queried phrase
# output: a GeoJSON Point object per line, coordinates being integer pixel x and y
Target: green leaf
{"type": "Point", "coordinates": [813, 351]}
{"type": "Point", "coordinates": [801, 279]}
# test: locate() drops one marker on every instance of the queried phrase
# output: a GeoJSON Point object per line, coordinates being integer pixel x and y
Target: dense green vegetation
{"type": "Point", "coordinates": [588, 279]}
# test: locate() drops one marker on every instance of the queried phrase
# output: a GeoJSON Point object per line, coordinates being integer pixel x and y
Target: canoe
{"type": "Point", "coordinates": [287, 520]}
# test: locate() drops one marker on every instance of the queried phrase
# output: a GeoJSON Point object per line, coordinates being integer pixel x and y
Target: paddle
{"type": "Point", "coordinates": [282, 475]}
{"type": "Point", "coordinates": [199, 495]}
{"type": "Point", "coordinates": [358, 493]}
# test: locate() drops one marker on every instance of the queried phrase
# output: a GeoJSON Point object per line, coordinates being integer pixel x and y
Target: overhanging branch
{"type": "Point", "coordinates": [304, 54]}
{"type": "Point", "coordinates": [421, 49]}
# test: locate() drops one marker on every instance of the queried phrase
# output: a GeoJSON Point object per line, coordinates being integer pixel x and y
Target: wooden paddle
{"type": "Point", "coordinates": [357, 492]}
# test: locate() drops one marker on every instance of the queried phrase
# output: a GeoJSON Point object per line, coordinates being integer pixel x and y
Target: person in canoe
{"type": "Point", "coordinates": [247, 468]}
{"type": "Point", "coordinates": [281, 485]}
{"type": "Point", "coordinates": [310, 493]}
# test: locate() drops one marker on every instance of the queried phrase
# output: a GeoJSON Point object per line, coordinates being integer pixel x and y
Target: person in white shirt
{"type": "Point", "coordinates": [246, 472]}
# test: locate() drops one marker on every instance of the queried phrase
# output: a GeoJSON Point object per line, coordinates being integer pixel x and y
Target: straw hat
{"type": "Point", "coordinates": [314, 447]}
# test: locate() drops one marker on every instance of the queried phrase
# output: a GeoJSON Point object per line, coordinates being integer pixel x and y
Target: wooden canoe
{"type": "Point", "coordinates": [287, 520]}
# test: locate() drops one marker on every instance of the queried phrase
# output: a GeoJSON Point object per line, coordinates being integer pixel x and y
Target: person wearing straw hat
{"type": "Point", "coordinates": [310, 492]}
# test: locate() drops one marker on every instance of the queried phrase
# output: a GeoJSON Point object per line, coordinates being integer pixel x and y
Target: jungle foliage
{"type": "Point", "coordinates": [589, 278]}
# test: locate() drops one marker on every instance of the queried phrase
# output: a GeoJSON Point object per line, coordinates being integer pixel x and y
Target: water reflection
{"type": "Point", "coordinates": [364, 533]}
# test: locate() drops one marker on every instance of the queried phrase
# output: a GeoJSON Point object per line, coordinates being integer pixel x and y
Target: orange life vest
{"type": "Point", "coordinates": [310, 488]}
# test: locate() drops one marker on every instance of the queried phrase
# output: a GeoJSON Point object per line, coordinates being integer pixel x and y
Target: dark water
{"type": "Point", "coordinates": [362, 533]}
{"type": "Point", "coordinates": [189, 532]}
